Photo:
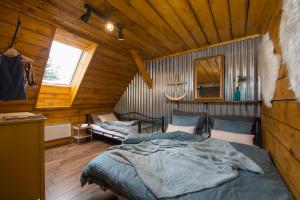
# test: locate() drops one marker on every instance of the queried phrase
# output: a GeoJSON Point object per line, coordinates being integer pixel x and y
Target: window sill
{"type": "Point", "coordinates": [51, 108]}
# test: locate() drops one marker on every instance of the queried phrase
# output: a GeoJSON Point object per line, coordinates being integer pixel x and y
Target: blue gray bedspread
{"type": "Point", "coordinates": [163, 163]}
{"type": "Point", "coordinates": [123, 179]}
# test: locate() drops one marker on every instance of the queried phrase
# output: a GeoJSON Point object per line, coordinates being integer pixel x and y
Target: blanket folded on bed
{"type": "Point", "coordinates": [167, 167]}
{"type": "Point", "coordinates": [121, 127]}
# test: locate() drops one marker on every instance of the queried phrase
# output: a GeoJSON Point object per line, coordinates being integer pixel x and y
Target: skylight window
{"type": "Point", "coordinates": [62, 63]}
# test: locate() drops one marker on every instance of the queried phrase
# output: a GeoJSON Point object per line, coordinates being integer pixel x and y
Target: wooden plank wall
{"type": "Point", "coordinates": [281, 123]}
{"type": "Point", "coordinates": [108, 74]}
{"type": "Point", "coordinates": [54, 96]}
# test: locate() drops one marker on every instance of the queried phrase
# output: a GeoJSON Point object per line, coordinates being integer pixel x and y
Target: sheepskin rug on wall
{"type": "Point", "coordinates": [290, 42]}
{"type": "Point", "coordinates": [268, 66]}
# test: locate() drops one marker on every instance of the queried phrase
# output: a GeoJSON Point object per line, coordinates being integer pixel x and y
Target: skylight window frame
{"type": "Point", "coordinates": [74, 71]}
{"type": "Point", "coordinates": [63, 96]}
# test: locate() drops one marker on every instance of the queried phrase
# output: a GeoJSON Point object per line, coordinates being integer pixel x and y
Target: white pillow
{"type": "Point", "coordinates": [107, 117]}
{"type": "Point", "coordinates": [187, 129]}
{"type": "Point", "coordinates": [233, 137]}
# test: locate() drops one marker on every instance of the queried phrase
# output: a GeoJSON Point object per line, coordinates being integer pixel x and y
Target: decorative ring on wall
{"type": "Point", "coordinates": [176, 83]}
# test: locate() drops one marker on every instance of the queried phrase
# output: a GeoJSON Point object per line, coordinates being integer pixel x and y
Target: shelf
{"type": "Point", "coordinates": [81, 128]}
{"type": "Point", "coordinates": [222, 102]}
{"type": "Point", "coordinates": [82, 136]}
{"type": "Point", "coordinates": [244, 101]}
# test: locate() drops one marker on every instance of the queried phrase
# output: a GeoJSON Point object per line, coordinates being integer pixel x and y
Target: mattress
{"type": "Point", "coordinates": [96, 129]}
{"type": "Point", "coordinates": [123, 179]}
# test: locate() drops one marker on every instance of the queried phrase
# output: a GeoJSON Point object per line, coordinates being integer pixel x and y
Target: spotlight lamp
{"type": "Point", "coordinates": [109, 26]}
{"type": "Point", "coordinates": [89, 10]}
{"type": "Point", "coordinates": [86, 16]}
{"type": "Point", "coordinates": [120, 32]}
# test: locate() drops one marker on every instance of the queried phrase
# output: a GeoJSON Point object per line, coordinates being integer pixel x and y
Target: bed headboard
{"type": "Point", "coordinates": [255, 130]}
{"type": "Point", "coordinates": [157, 123]}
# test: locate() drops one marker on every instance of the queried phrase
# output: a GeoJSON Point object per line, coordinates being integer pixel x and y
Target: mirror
{"type": "Point", "coordinates": [209, 79]}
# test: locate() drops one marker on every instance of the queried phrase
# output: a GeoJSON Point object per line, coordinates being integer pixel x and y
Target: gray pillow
{"type": "Point", "coordinates": [197, 119]}
{"type": "Point", "coordinates": [95, 117]}
{"type": "Point", "coordinates": [233, 126]}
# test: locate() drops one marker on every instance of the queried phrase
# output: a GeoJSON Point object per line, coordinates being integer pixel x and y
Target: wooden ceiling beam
{"type": "Point", "coordinates": [255, 16]}
{"type": "Point", "coordinates": [205, 19]}
{"type": "Point", "coordinates": [230, 19]}
{"type": "Point", "coordinates": [149, 13]}
{"type": "Point", "coordinates": [214, 21]}
{"type": "Point", "coordinates": [142, 69]}
{"type": "Point", "coordinates": [221, 14]}
{"type": "Point", "coordinates": [166, 12]}
{"type": "Point", "coordinates": [198, 22]}
{"type": "Point", "coordinates": [270, 10]}
{"type": "Point", "coordinates": [247, 16]}
{"type": "Point", "coordinates": [184, 12]}
{"type": "Point", "coordinates": [132, 13]}
{"type": "Point", "coordinates": [238, 12]}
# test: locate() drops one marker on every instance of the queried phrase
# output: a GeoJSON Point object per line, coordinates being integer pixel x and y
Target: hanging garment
{"type": "Point", "coordinates": [28, 73]}
{"type": "Point", "coordinates": [11, 78]}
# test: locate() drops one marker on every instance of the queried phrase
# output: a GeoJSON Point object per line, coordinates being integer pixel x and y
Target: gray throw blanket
{"type": "Point", "coordinates": [171, 168]}
{"type": "Point", "coordinates": [121, 127]}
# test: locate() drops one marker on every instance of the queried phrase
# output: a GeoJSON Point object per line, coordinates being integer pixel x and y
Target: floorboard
{"type": "Point", "coordinates": [63, 166]}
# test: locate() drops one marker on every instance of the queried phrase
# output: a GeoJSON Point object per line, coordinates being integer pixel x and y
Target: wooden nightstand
{"type": "Point", "coordinates": [80, 136]}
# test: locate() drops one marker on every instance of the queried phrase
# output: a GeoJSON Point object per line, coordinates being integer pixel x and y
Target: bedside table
{"type": "Point", "coordinates": [80, 135]}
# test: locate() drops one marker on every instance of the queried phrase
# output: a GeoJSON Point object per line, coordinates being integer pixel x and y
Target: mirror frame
{"type": "Point", "coordinates": [210, 99]}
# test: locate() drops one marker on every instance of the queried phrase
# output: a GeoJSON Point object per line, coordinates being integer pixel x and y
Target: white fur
{"type": "Point", "coordinates": [268, 65]}
{"type": "Point", "coordinates": [290, 42]}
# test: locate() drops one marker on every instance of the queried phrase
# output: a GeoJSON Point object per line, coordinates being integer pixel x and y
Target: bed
{"type": "Point", "coordinates": [118, 125]}
{"type": "Point", "coordinates": [125, 179]}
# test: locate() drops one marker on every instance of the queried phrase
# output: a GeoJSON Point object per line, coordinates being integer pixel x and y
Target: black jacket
{"type": "Point", "coordinates": [12, 85]}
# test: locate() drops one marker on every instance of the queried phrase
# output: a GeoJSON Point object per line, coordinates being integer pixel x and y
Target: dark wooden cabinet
{"type": "Point", "coordinates": [22, 159]}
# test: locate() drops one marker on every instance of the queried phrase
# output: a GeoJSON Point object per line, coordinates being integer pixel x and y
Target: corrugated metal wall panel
{"type": "Point", "coordinates": [240, 59]}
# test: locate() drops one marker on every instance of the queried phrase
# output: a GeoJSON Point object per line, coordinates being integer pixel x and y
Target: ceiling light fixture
{"type": "Point", "coordinates": [86, 16]}
{"type": "Point", "coordinates": [120, 32]}
{"type": "Point", "coordinates": [89, 10]}
{"type": "Point", "coordinates": [109, 26]}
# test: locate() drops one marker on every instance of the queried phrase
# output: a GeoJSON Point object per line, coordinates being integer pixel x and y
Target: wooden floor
{"type": "Point", "coordinates": [63, 166]}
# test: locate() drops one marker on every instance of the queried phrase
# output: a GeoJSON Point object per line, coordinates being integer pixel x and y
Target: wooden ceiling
{"type": "Point", "coordinates": [159, 27]}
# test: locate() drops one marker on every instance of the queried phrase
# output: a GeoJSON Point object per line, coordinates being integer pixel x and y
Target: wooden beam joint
{"type": "Point", "coordinates": [141, 66]}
